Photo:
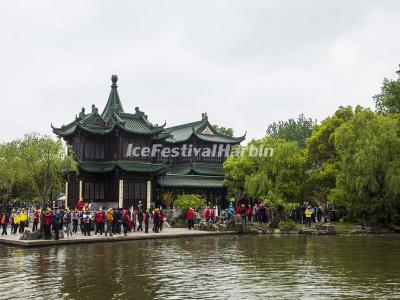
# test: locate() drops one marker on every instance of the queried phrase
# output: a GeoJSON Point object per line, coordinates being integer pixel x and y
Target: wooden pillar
{"type": "Point", "coordinates": [121, 193]}
{"type": "Point", "coordinates": [148, 198]}
{"type": "Point", "coordinates": [80, 189]}
{"type": "Point", "coordinates": [66, 195]}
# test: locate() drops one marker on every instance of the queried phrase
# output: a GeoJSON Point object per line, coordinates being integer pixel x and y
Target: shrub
{"type": "Point", "coordinates": [287, 225]}
{"type": "Point", "coordinates": [186, 201]}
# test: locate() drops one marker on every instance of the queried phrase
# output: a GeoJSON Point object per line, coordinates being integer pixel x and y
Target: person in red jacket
{"type": "Point", "coordinates": [126, 221]}
{"type": "Point", "coordinates": [248, 213]}
{"type": "Point", "coordinates": [238, 210]}
{"type": "Point", "coordinates": [79, 205]}
{"type": "Point", "coordinates": [190, 218]}
{"type": "Point", "coordinates": [207, 214]}
{"type": "Point", "coordinates": [212, 214]}
{"type": "Point", "coordinates": [99, 222]}
{"type": "Point", "coordinates": [162, 217]}
{"type": "Point", "coordinates": [48, 220]}
{"type": "Point", "coordinates": [36, 217]}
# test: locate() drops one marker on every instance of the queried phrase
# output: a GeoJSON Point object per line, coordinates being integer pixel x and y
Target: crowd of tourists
{"type": "Point", "coordinates": [17, 219]}
{"type": "Point", "coordinates": [88, 220]}
{"type": "Point", "coordinates": [84, 218]}
{"type": "Point", "coordinates": [261, 213]}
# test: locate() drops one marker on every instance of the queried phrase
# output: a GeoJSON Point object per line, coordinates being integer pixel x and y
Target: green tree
{"type": "Point", "coordinates": [224, 130]}
{"type": "Point", "coordinates": [256, 177]}
{"type": "Point", "coordinates": [292, 130]}
{"type": "Point", "coordinates": [236, 171]}
{"type": "Point", "coordinates": [282, 173]}
{"type": "Point", "coordinates": [388, 100]}
{"type": "Point", "coordinates": [369, 178]}
{"type": "Point", "coordinates": [322, 160]}
{"type": "Point", "coordinates": [46, 162]}
{"type": "Point", "coordinates": [11, 173]}
{"type": "Point", "coordinates": [186, 201]}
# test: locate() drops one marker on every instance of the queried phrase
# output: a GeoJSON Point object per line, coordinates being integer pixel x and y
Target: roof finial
{"type": "Point", "coordinates": [94, 109]}
{"type": "Point", "coordinates": [82, 113]}
{"type": "Point", "coordinates": [114, 79]}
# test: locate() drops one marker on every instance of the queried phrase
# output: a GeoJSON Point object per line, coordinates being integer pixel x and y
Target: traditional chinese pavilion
{"type": "Point", "coordinates": [108, 175]}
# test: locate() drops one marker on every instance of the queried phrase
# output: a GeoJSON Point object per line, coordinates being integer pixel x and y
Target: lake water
{"type": "Point", "coordinates": [222, 267]}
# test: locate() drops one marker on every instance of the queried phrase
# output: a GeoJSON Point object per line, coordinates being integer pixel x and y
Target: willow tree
{"type": "Point", "coordinates": [45, 162]}
{"type": "Point", "coordinates": [292, 130]}
{"type": "Point", "coordinates": [369, 178]}
{"type": "Point", "coordinates": [236, 171]}
{"type": "Point", "coordinates": [259, 177]}
{"type": "Point", "coordinates": [282, 173]}
{"type": "Point", "coordinates": [322, 159]}
{"type": "Point", "coordinates": [388, 100]}
{"type": "Point", "coordinates": [10, 169]}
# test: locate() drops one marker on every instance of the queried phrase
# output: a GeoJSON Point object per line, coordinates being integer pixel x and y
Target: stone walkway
{"type": "Point", "coordinates": [14, 240]}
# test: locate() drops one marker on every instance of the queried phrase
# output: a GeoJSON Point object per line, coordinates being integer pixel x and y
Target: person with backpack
{"type": "Point", "coordinates": [68, 222]}
{"type": "Point", "coordinates": [86, 222]}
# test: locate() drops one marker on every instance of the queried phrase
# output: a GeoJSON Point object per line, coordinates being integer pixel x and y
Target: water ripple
{"type": "Point", "coordinates": [230, 267]}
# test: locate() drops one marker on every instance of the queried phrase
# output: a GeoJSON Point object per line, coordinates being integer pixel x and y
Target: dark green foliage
{"type": "Point", "coordinates": [292, 130]}
{"type": "Point", "coordinates": [224, 130]}
{"type": "Point", "coordinates": [388, 100]}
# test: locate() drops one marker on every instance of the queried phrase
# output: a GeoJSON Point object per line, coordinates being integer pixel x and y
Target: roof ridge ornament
{"type": "Point", "coordinates": [82, 113]}
{"type": "Point", "coordinates": [95, 109]}
{"type": "Point", "coordinates": [140, 113]}
{"type": "Point", "coordinates": [114, 79]}
{"type": "Point", "coordinates": [204, 116]}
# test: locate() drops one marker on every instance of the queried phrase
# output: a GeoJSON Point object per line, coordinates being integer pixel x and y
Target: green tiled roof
{"type": "Point", "coordinates": [182, 133]}
{"type": "Point", "coordinates": [112, 117]}
{"type": "Point", "coordinates": [141, 167]}
{"type": "Point", "coordinates": [97, 167]}
{"type": "Point", "coordinates": [114, 104]}
{"type": "Point", "coordinates": [191, 181]}
{"type": "Point", "coordinates": [104, 167]}
{"type": "Point", "coordinates": [197, 168]}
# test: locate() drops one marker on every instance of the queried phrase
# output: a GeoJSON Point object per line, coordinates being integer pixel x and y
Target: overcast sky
{"type": "Point", "coordinates": [245, 63]}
